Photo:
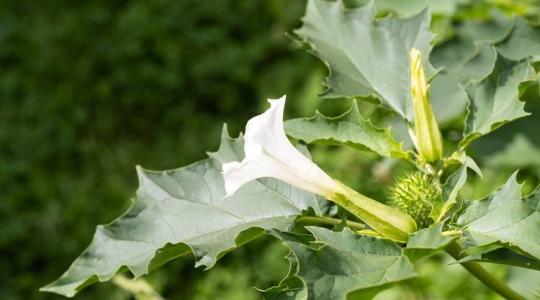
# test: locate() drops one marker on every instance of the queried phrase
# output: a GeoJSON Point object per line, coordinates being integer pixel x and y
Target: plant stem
{"type": "Point", "coordinates": [311, 220]}
{"type": "Point", "coordinates": [481, 274]}
{"type": "Point", "coordinates": [139, 288]}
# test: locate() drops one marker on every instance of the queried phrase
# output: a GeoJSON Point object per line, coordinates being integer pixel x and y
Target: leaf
{"type": "Point", "coordinates": [350, 129]}
{"type": "Point", "coordinates": [182, 211]}
{"type": "Point", "coordinates": [470, 54]}
{"type": "Point", "coordinates": [464, 61]}
{"type": "Point", "coordinates": [426, 242]}
{"type": "Point", "coordinates": [452, 186]}
{"type": "Point", "coordinates": [506, 257]}
{"type": "Point", "coordinates": [366, 56]}
{"type": "Point", "coordinates": [523, 42]}
{"type": "Point", "coordinates": [451, 55]}
{"type": "Point", "coordinates": [411, 7]}
{"type": "Point", "coordinates": [449, 193]}
{"type": "Point", "coordinates": [338, 263]}
{"type": "Point", "coordinates": [492, 30]}
{"type": "Point", "coordinates": [518, 154]}
{"type": "Point", "coordinates": [503, 219]}
{"type": "Point", "coordinates": [448, 98]}
{"type": "Point", "coordinates": [494, 101]}
{"type": "Point", "coordinates": [478, 66]}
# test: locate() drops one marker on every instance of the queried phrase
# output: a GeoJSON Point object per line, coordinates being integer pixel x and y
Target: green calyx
{"type": "Point", "coordinates": [414, 193]}
{"type": "Point", "coordinates": [388, 221]}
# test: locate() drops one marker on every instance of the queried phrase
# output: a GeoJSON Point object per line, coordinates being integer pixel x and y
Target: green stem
{"type": "Point", "coordinates": [309, 220]}
{"type": "Point", "coordinates": [139, 288]}
{"type": "Point", "coordinates": [481, 274]}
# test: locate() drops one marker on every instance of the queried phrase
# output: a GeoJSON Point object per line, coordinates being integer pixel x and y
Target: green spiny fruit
{"type": "Point", "coordinates": [414, 193]}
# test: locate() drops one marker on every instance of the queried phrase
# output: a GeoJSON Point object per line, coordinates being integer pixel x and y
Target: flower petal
{"type": "Point", "coordinates": [268, 153]}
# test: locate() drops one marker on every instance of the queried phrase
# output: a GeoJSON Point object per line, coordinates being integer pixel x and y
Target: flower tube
{"type": "Point", "coordinates": [269, 153]}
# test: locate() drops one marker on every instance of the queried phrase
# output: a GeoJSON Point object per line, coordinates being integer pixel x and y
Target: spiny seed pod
{"type": "Point", "coordinates": [414, 194]}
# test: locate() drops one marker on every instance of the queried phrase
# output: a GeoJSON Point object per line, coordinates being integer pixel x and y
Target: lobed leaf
{"type": "Point", "coordinates": [494, 101]}
{"type": "Point", "coordinates": [468, 57]}
{"type": "Point", "coordinates": [366, 57]}
{"type": "Point", "coordinates": [350, 129]}
{"type": "Point", "coordinates": [503, 219]}
{"type": "Point", "coordinates": [340, 265]}
{"type": "Point", "coordinates": [183, 211]}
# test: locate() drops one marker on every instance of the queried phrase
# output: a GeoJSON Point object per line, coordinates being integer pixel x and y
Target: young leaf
{"type": "Point", "coordinates": [452, 186]}
{"type": "Point", "coordinates": [350, 129]}
{"type": "Point", "coordinates": [341, 263]}
{"type": "Point", "coordinates": [426, 242]}
{"type": "Point", "coordinates": [182, 208]}
{"type": "Point", "coordinates": [494, 101]}
{"type": "Point", "coordinates": [366, 56]}
{"type": "Point", "coordinates": [503, 219]}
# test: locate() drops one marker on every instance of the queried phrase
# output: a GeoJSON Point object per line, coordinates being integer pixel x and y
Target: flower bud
{"type": "Point", "coordinates": [427, 136]}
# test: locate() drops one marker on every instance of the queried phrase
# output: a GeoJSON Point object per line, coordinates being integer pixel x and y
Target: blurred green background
{"type": "Point", "coordinates": [91, 89]}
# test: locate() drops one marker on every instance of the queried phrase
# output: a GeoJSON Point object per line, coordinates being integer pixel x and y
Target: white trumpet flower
{"type": "Point", "coordinates": [268, 153]}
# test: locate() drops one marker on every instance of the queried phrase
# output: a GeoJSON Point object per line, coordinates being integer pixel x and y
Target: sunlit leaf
{"type": "Point", "coordinates": [338, 264]}
{"type": "Point", "coordinates": [350, 129]}
{"type": "Point", "coordinates": [366, 56]}
{"type": "Point", "coordinates": [503, 219]}
{"type": "Point", "coordinates": [494, 101]}
{"type": "Point", "coordinates": [184, 211]}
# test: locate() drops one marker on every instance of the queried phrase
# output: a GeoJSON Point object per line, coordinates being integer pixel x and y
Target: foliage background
{"type": "Point", "coordinates": [91, 89]}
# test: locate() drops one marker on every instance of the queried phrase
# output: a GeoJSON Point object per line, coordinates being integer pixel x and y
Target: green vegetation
{"type": "Point", "coordinates": [90, 90]}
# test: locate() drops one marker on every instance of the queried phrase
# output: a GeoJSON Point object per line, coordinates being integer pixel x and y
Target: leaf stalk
{"type": "Point", "coordinates": [481, 274]}
{"type": "Point", "coordinates": [313, 220]}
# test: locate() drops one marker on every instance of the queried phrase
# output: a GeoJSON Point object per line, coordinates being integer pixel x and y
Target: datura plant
{"type": "Point", "coordinates": [343, 243]}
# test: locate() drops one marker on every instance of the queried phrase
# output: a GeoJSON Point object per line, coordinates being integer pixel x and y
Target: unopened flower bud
{"type": "Point", "coordinates": [427, 136]}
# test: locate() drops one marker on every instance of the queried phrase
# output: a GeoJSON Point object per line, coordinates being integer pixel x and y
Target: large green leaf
{"type": "Point", "coordinates": [341, 264]}
{"type": "Point", "coordinates": [181, 211]}
{"type": "Point", "coordinates": [350, 129]}
{"type": "Point", "coordinates": [503, 219]}
{"type": "Point", "coordinates": [366, 56]}
{"type": "Point", "coordinates": [494, 101]}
